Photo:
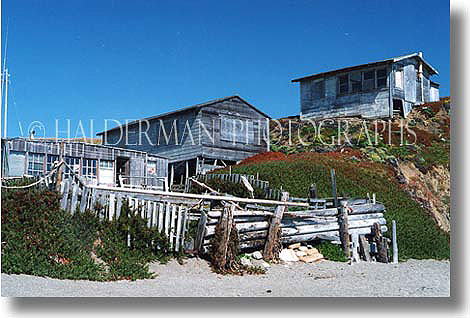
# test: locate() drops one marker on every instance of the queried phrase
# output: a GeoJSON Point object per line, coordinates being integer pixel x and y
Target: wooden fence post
{"type": "Point", "coordinates": [394, 242]}
{"type": "Point", "coordinates": [274, 228]}
{"type": "Point", "coordinates": [201, 231]}
{"type": "Point", "coordinates": [333, 185]}
{"type": "Point", "coordinates": [344, 228]}
{"type": "Point", "coordinates": [382, 255]}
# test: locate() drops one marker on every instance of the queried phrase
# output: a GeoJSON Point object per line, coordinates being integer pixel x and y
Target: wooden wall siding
{"type": "Point", "coordinates": [137, 159]}
{"type": "Point", "coordinates": [373, 104]}
{"type": "Point", "coordinates": [190, 148]}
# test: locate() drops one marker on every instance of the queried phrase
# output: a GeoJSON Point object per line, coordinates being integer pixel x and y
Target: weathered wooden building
{"type": "Point", "coordinates": [373, 90]}
{"type": "Point", "coordinates": [95, 164]}
{"type": "Point", "coordinates": [198, 138]}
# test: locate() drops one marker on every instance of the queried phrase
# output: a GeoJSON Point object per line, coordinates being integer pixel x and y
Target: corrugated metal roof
{"type": "Point", "coordinates": [382, 62]}
{"type": "Point", "coordinates": [197, 106]}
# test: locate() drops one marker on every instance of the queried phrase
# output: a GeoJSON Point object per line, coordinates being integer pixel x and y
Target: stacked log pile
{"type": "Point", "coordinates": [298, 226]}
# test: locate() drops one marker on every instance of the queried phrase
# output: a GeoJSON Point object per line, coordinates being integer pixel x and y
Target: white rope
{"type": "Point", "coordinates": [37, 182]}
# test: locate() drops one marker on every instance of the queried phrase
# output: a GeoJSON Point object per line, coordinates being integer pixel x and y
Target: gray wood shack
{"type": "Point", "coordinates": [373, 90]}
{"type": "Point", "coordinates": [198, 138]}
{"type": "Point", "coordinates": [95, 164]}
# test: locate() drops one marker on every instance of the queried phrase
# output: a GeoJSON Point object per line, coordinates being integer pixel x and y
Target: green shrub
{"type": "Point", "coordinates": [39, 238]}
{"type": "Point", "coordinates": [418, 236]}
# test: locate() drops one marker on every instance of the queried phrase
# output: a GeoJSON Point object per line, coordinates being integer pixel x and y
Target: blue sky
{"type": "Point", "coordinates": [103, 59]}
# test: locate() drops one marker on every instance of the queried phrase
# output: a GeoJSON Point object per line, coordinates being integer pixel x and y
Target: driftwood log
{"type": "Point", "coordinates": [271, 248]}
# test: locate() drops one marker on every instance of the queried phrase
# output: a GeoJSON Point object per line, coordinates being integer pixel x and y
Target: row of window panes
{"type": "Point", "coordinates": [36, 164]}
{"type": "Point", "coordinates": [362, 81]}
{"type": "Point", "coordinates": [89, 167]}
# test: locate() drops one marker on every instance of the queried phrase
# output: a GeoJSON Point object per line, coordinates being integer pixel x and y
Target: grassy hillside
{"type": "Point", "coordinates": [418, 236]}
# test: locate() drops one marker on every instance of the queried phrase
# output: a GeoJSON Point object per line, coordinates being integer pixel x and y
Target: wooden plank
{"type": "Point", "coordinates": [173, 226]}
{"type": "Point", "coordinates": [161, 213]}
{"type": "Point", "coordinates": [344, 229]}
{"type": "Point", "coordinates": [382, 255]}
{"type": "Point", "coordinates": [65, 195]}
{"type": "Point", "coordinates": [73, 204]}
{"type": "Point", "coordinates": [201, 231]}
{"type": "Point", "coordinates": [179, 226]}
{"type": "Point", "coordinates": [364, 248]}
{"type": "Point", "coordinates": [394, 242]}
{"type": "Point", "coordinates": [333, 185]}
{"type": "Point", "coordinates": [112, 206]}
{"type": "Point", "coordinates": [84, 199]}
{"type": "Point", "coordinates": [164, 194]}
{"type": "Point", "coordinates": [355, 247]}
{"type": "Point", "coordinates": [185, 227]}
{"type": "Point", "coordinates": [119, 199]}
{"type": "Point", "coordinates": [167, 219]}
{"type": "Point", "coordinates": [268, 252]}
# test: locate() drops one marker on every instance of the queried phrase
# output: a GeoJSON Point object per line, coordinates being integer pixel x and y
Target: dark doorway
{"type": "Point", "coordinates": [398, 107]}
{"type": "Point", "coordinates": [123, 170]}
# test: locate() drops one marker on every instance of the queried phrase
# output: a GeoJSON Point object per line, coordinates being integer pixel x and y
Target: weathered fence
{"type": "Point", "coordinates": [168, 215]}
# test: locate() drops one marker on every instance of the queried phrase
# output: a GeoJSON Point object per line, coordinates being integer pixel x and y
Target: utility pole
{"type": "Point", "coordinates": [6, 105]}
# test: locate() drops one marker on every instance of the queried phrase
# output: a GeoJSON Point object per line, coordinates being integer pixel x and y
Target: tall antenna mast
{"type": "Point", "coordinates": [5, 79]}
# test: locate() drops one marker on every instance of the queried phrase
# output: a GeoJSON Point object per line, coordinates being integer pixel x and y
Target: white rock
{"type": "Point", "coordinates": [257, 255]}
{"type": "Point", "coordinates": [300, 253]}
{"type": "Point", "coordinates": [245, 261]}
{"type": "Point", "coordinates": [288, 255]}
{"type": "Point", "coordinates": [303, 248]}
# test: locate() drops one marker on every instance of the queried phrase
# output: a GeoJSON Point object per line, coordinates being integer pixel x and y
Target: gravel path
{"type": "Point", "coordinates": [194, 278]}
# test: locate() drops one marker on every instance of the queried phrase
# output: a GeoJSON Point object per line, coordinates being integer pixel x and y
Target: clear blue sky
{"type": "Point", "coordinates": [133, 59]}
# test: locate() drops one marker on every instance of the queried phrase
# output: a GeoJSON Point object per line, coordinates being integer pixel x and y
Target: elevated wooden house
{"type": "Point", "coordinates": [198, 138]}
{"type": "Point", "coordinates": [94, 164]}
{"type": "Point", "coordinates": [373, 90]}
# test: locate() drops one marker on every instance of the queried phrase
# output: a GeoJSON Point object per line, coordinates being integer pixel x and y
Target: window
{"type": "Point", "coordinates": [74, 163]}
{"type": "Point", "coordinates": [356, 82]}
{"type": "Point", "coordinates": [399, 79]}
{"type": "Point", "coordinates": [89, 168]}
{"type": "Point", "coordinates": [50, 161]}
{"type": "Point", "coordinates": [368, 82]}
{"type": "Point", "coordinates": [318, 89]}
{"type": "Point", "coordinates": [236, 130]}
{"type": "Point", "coordinates": [343, 84]}
{"type": "Point", "coordinates": [35, 164]}
{"type": "Point", "coordinates": [381, 78]}
{"type": "Point", "coordinates": [106, 164]}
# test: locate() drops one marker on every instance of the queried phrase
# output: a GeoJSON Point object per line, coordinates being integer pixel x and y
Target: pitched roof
{"type": "Point", "coordinates": [377, 63]}
{"type": "Point", "coordinates": [184, 109]}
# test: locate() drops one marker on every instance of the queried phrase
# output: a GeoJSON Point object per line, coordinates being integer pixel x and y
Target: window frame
{"type": "Point", "coordinates": [400, 74]}
{"type": "Point", "coordinates": [318, 89]}
{"type": "Point", "coordinates": [372, 80]}
{"type": "Point", "coordinates": [381, 78]}
{"type": "Point", "coordinates": [89, 171]}
{"type": "Point", "coordinates": [342, 84]}
{"type": "Point", "coordinates": [72, 162]}
{"type": "Point", "coordinates": [35, 160]}
{"type": "Point", "coordinates": [50, 161]}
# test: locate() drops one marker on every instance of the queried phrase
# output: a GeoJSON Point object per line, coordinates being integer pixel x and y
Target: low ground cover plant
{"type": "Point", "coordinates": [39, 238]}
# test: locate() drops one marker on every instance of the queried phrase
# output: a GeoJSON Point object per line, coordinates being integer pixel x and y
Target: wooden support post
{"type": "Point", "coordinates": [59, 171]}
{"type": "Point", "coordinates": [313, 191]}
{"type": "Point", "coordinates": [201, 232]}
{"type": "Point", "coordinates": [382, 255]}
{"type": "Point", "coordinates": [344, 228]}
{"type": "Point", "coordinates": [355, 247]}
{"type": "Point", "coordinates": [226, 222]}
{"type": "Point", "coordinates": [333, 185]}
{"type": "Point", "coordinates": [394, 242]}
{"type": "Point", "coordinates": [274, 228]}
{"type": "Point", "coordinates": [364, 248]}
